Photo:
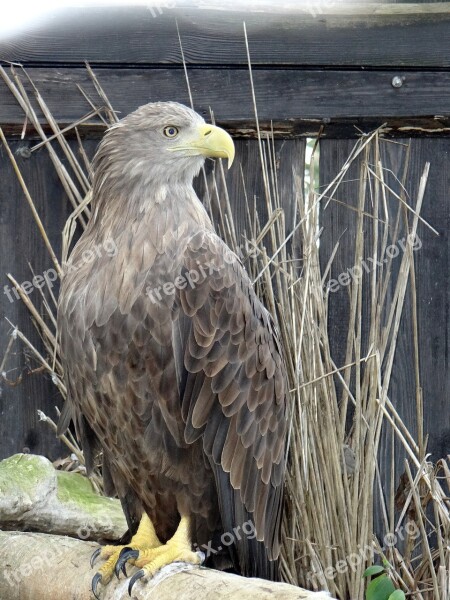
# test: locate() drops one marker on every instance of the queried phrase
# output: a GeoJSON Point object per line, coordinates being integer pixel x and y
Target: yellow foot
{"type": "Point", "coordinates": [177, 549]}
{"type": "Point", "coordinates": [116, 556]}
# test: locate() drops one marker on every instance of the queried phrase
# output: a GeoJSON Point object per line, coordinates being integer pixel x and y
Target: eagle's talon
{"type": "Point", "coordinates": [125, 555]}
{"type": "Point", "coordinates": [136, 577]}
{"type": "Point", "coordinates": [95, 580]}
{"type": "Point", "coordinates": [94, 556]}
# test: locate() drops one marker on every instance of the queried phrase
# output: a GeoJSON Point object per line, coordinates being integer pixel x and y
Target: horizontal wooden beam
{"type": "Point", "coordinates": [314, 33]}
{"type": "Point", "coordinates": [294, 102]}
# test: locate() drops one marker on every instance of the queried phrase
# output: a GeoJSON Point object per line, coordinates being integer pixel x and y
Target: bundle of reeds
{"type": "Point", "coordinates": [337, 410]}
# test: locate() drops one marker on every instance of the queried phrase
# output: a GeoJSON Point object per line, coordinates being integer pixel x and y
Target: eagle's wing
{"type": "Point", "coordinates": [232, 384]}
{"type": "Point", "coordinates": [224, 355]}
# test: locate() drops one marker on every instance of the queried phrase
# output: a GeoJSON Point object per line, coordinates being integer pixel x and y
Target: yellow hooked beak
{"type": "Point", "coordinates": [212, 142]}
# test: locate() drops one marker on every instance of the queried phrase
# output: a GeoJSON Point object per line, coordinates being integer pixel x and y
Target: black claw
{"type": "Point", "coordinates": [136, 576]}
{"type": "Point", "coordinates": [125, 555]}
{"type": "Point", "coordinates": [97, 577]}
{"type": "Point", "coordinates": [95, 556]}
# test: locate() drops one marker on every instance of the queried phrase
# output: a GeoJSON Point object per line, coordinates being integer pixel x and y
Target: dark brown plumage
{"type": "Point", "coordinates": [182, 387]}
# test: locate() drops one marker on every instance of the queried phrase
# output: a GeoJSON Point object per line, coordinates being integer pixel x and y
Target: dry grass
{"type": "Point", "coordinates": [333, 470]}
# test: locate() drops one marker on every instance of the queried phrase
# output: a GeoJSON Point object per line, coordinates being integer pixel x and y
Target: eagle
{"type": "Point", "coordinates": [174, 368]}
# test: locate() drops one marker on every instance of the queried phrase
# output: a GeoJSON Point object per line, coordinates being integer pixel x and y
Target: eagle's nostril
{"type": "Point", "coordinates": [207, 132]}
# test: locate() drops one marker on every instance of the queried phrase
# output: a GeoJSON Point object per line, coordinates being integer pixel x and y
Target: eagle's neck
{"type": "Point", "coordinates": [160, 207]}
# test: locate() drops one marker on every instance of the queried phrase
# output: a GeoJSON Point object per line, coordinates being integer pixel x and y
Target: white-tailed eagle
{"type": "Point", "coordinates": [173, 367]}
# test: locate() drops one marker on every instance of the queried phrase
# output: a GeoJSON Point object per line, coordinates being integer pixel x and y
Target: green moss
{"type": "Point", "coordinates": [30, 480]}
{"type": "Point", "coordinates": [73, 485]}
{"type": "Point", "coordinates": [76, 492]}
{"type": "Point", "coordinates": [24, 472]}
{"type": "Point", "coordinates": [77, 489]}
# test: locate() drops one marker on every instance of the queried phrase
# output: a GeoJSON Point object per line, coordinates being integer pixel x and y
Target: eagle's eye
{"type": "Point", "coordinates": [170, 131]}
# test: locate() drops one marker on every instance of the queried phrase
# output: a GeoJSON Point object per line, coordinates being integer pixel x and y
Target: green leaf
{"type": "Point", "coordinates": [380, 588]}
{"type": "Point", "coordinates": [397, 595]}
{"type": "Point", "coordinates": [373, 570]}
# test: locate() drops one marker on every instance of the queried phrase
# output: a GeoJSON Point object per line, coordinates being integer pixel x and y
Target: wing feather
{"type": "Point", "coordinates": [231, 346]}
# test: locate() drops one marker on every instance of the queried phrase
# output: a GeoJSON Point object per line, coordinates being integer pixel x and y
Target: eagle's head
{"type": "Point", "coordinates": [162, 142]}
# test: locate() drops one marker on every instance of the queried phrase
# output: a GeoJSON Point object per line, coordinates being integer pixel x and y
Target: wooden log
{"type": "Point", "coordinates": [38, 566]}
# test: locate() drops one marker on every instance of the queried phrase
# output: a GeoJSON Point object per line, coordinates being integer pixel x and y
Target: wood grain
{"type": "Point", "coordinates": [302, 36]}
{"type": "Point", "coordinates": [340, 103]}
{"type": "Point", "coordinates": [20, 244]}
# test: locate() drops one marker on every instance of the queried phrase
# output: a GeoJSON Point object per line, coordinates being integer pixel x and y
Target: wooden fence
{"type": "Point", "coordinates": [335, 71]}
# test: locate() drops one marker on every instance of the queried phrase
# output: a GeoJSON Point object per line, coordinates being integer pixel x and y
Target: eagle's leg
{"type": "Point", "coordinates": [177, 549]}
{"type": "Point", "coordinates": [144, 538]}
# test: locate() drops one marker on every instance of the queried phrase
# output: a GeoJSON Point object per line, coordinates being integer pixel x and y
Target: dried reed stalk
{"type": "Point", "coordinates": [330, 502]}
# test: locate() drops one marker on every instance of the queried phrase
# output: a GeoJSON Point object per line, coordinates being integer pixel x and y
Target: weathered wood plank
{"type": "Point", "coordinates": [433, 291]}
{"type": "Point", "coordinates": [336, 102]}
{"type": "Point", "coordinates": [432, 279]}
{"type": "Point", "coordinates": [305, 35]}
{"type": "Point", "coordinates": [20, 244]}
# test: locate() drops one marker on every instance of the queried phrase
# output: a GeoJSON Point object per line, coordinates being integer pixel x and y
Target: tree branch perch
{"type": "Point", "coordinates": [39, 566]}
{"type": "Point", "coordinates": [47, 565]}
